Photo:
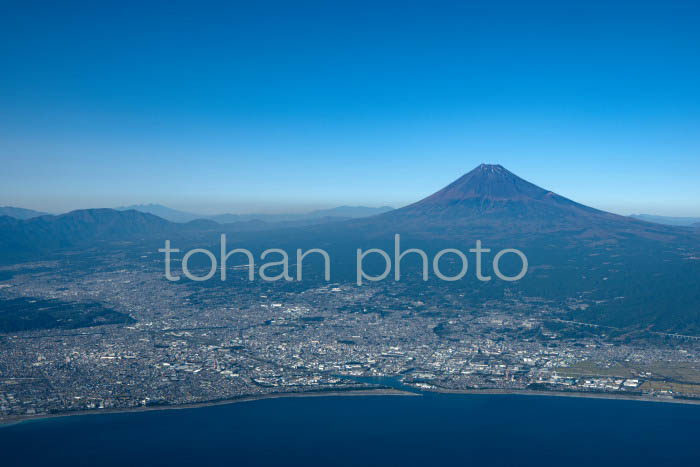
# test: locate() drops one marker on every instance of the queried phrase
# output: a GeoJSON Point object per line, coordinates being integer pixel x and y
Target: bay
{"type": "Point", "coordinates": [387, 430]}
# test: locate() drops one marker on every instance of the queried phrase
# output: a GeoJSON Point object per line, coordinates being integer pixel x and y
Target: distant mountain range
{"type": "Point", "coordinates": [632, 273]}
{"type": "Point", "coordinates": [24, 239]}
{"type": "Point", "coordinates": [174, 215]}
{"type": "Point", "coordinates": [20, 213]}
{"type": "Point", "coordinates": [341, 212]}
{"type": "Point", "coordinates": [684, 221]}
{"type": "Point", "coordinates": [489, 202]}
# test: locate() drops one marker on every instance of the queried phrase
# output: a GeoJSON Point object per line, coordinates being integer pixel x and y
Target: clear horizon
{"type": "Point", "coordinates": [290, 108]}
{"type": "Point", "coordinates": [284, 207]}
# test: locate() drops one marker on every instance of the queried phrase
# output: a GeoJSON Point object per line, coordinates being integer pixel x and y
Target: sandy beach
{"type": "Point", "coordinates": [354, 393]}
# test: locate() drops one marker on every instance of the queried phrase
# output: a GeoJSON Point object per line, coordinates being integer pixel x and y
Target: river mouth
{"type": "Point", "coordinates": [391, 382]}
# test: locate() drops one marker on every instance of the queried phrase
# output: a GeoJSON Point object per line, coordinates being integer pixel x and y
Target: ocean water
{"type": "Point", "coordinates": [430, 430]}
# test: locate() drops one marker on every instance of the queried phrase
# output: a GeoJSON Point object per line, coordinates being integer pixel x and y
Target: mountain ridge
{"type": "Point", "coordinates": [340, 212]}
{"type": "Point", "coordinates": [489, 202]}
{"type": "Point", "coordinates": [668, 220]}
{"type": "Point", "coordinates": [20, 213]}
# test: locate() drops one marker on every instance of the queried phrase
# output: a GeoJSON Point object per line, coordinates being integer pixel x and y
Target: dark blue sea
{"type": "Point", "coordinates": [493, 430]}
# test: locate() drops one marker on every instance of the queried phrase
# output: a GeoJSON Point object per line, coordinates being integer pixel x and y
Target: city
{"type": "Point", "coordinates": [192, 344]}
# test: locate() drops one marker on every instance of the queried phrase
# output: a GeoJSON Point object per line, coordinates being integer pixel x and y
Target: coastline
{"type": "Point", "coordinates": [353, 393]}
{"type": "Point", "coordinates": [584, 395]}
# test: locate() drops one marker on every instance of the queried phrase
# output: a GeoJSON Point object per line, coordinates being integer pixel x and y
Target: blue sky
{"type": "Point", "coordinates": [296, 105]}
